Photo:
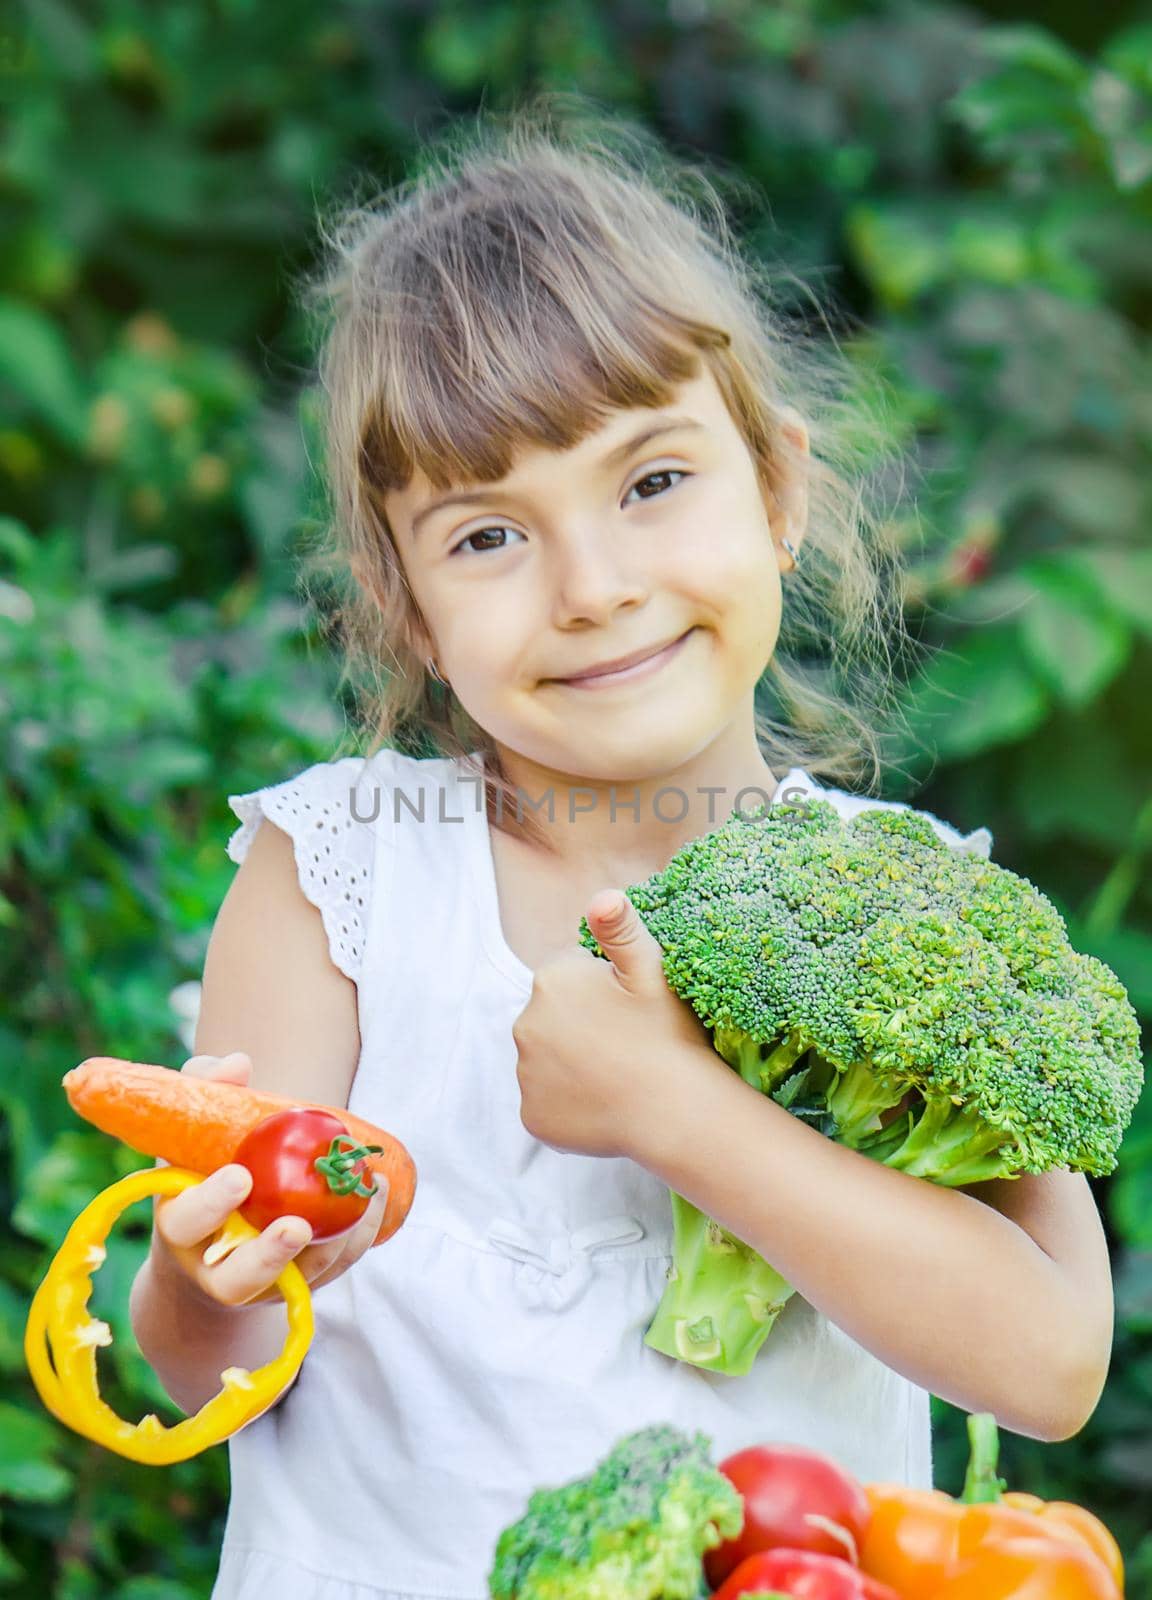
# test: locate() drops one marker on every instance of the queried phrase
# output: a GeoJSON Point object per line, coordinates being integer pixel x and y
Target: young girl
{"type": "Point", "coordinates": [584, 499]}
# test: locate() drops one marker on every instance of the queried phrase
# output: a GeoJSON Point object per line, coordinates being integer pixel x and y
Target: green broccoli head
{"type": "Point", "coordinates": [920, 1004]}
{"type": "Point", "coordinates": [635, 1529]}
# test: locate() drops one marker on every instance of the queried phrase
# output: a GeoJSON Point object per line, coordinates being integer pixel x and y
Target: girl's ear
{"type": "Point", "coordinates": [796, 498]}
{"type": "Point", "coordinates": [364, 578]}
{"type": "Point", "coordinates": [790, 520]}
{"type": "Point", "coordinates": [416, 638]}
{"type": "Point", "coordinates": [414, 635]}
{"type": "Point", "coordinates": [412, 631]}
{"type": "Point", "coordinates": [795, 429]}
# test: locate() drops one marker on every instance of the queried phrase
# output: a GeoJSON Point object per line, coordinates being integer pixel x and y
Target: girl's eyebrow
{"type": "Point", "coordinates": [620, 453]}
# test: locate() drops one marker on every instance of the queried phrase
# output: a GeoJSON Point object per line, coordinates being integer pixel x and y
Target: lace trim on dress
{"type": "Point", "coordinates": [333, 849]}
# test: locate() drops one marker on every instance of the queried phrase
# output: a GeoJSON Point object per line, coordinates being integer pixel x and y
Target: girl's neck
{"type": "Point", "coordinates": [614, 826]}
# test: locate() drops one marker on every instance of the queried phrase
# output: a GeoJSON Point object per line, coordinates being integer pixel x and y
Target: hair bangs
{"type": "Point", "coordinates": [487, 373]}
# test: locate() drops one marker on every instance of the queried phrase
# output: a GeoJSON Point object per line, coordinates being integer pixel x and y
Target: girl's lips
{"type": "Point", "coordinates": [642, 669]}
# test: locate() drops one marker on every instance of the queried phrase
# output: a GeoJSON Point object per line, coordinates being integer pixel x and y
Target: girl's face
{"type": "Point", "coordinates": [582, 556]}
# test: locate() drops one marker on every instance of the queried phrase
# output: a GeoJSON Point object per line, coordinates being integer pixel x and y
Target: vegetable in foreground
{"type": "Point", "coordinates": [198, 1123]}
{"type": "Point", "coordinates": [918, 1004]}
{"type": "Point", "coordinates": [795, 1498]}
{"type": "Point", "coordinates": [987, 1545]}
{"type": "Point", "coordinates": [304, 1164]}
{"type": "Point", "coordinates": [306, 1160]}
{"type": "Point", "coordinates": [636, 1528]}
{"type": "Point", "coordinates": [629, 1530]}
{"type": "Point", "coordinates": [802, 1573]}
{"type": "Point", "coordinates": [61, 1338]}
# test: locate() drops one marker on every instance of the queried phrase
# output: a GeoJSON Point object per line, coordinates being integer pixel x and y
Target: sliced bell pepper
{"type": "Point", "coordinates": [919, 1540]}
{"type": "Point", "coordinates": [60, 1338]}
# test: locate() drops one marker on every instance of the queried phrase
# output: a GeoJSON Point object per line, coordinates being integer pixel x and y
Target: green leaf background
{"type": "Point", "coordinates": [975, 194]}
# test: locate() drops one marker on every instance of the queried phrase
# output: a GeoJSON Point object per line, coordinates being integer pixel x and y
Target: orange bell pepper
{"type": "Point", "coordinates": [1062, 1514]}
{"type": "Point", "coordinates": [1028, 1567]}
{"type": "Point", "coordinates": [928, 1546]}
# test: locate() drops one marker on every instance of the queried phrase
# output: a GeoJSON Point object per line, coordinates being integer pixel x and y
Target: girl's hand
{"type": "Point", "coordinates": [186, 1223]}
{"type": "Point", "coordinates": [605, 1046]}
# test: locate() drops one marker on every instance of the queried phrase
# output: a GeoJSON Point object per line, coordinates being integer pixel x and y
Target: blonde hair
{"type": "Point", "coordinates": [539, 269]}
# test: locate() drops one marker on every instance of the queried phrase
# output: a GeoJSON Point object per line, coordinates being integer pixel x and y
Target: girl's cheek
{"type": "Point", "coordinates": [744, 585]}
{"type": "Point", "coordinates": [738, 553]}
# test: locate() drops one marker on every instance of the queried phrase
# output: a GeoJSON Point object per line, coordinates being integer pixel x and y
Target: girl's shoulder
{"type": "Point", "coordinates": [332, 812]}
{"type": "Point", "coordinates": [797, 783]}
{"type": "Point", "coordinates": [335, 812]}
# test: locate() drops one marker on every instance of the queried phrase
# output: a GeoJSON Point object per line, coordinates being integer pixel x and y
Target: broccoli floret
{"type": "Point", "coordinates": [916, 1003]}
{"type": "Point", "coordinates": [636, 1528]}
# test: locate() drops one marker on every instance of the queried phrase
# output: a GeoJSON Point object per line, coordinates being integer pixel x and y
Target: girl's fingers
{"type": "Point", "coordinates": [199, 1066]}
{"type": "Point", "coordinates": [190, 1218]}
{"type": "Point", "coordinates": [185, 1223]}
{"type": "Point", "coordinates": [318, 1262]}
{"type": "Point", "coordinates": [236, 1067]}
{"type": "Point", "coordinates": [252, 1268]}
{"type": "Point", "coordinates": [357, 1241]}
{"type": "Point", "coordinates": [361, 1239]}
{"type": "Point", "coordinates": [324, 1263]}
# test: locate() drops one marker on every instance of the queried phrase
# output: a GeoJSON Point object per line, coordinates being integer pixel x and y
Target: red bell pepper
{"type": "Point", "coordinates": [804, 1573]}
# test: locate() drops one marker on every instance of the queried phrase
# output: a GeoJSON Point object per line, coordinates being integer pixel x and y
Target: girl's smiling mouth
{"type": "Point", "coordinates": [634, 674]}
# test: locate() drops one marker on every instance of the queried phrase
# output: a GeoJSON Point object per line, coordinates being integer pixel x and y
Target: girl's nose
{"type": "Point", "coordinates": [593, 578]}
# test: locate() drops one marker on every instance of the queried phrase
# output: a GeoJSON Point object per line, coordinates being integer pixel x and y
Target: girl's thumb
{"type": "Point", "coordinates": [610, 912]}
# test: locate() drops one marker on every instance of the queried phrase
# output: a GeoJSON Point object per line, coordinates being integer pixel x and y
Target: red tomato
{"type": "Point", "coordinates": [802, 1573]}
{"type": "Point", "coordinates": [793, 1498]}
{"type": "Point", "coordinates": [304, 1163]}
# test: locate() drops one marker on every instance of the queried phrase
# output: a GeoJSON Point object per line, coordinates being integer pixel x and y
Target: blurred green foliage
{"type": "Point", "coordinates": [975, 196]}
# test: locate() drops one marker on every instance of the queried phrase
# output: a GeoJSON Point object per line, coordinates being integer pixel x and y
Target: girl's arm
{"type": "Point", "coordinates": [271, 990]}
{"type": "Point", "coordinates": [1004, 1306]}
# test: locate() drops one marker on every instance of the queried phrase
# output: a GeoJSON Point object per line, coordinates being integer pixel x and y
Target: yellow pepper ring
{"type": "Point", "coordinates": [58, 1322]}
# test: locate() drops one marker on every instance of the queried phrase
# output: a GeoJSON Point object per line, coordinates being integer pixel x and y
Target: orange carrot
{"type": "Point", "coordinates": [197, 1123]}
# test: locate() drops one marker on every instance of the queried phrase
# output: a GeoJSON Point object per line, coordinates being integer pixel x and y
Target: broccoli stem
{"type": "Point", "coordinates": [950, 1144]}
{"type": "Point", "coordinates": [857, 1096]}
{"type": "Point", "coordinates": [721, 1299]}
{"type": "Point", "coordinates": [760, 1065]}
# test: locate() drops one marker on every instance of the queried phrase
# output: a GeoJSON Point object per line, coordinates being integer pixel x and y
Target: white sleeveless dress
{"type": "Point", "coordinates": [495, 1344]}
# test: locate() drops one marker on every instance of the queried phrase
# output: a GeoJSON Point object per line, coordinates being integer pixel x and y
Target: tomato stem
{"type": "Point", "coordinates": [337, 1166]}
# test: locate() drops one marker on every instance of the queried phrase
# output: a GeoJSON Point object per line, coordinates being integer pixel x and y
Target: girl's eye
{"type": "Point", "coordinates": [664, 472]}
{"type": "Point", "coordinates": [481, 533]}
{"type": "Point", "coordinates": [484, 533]}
